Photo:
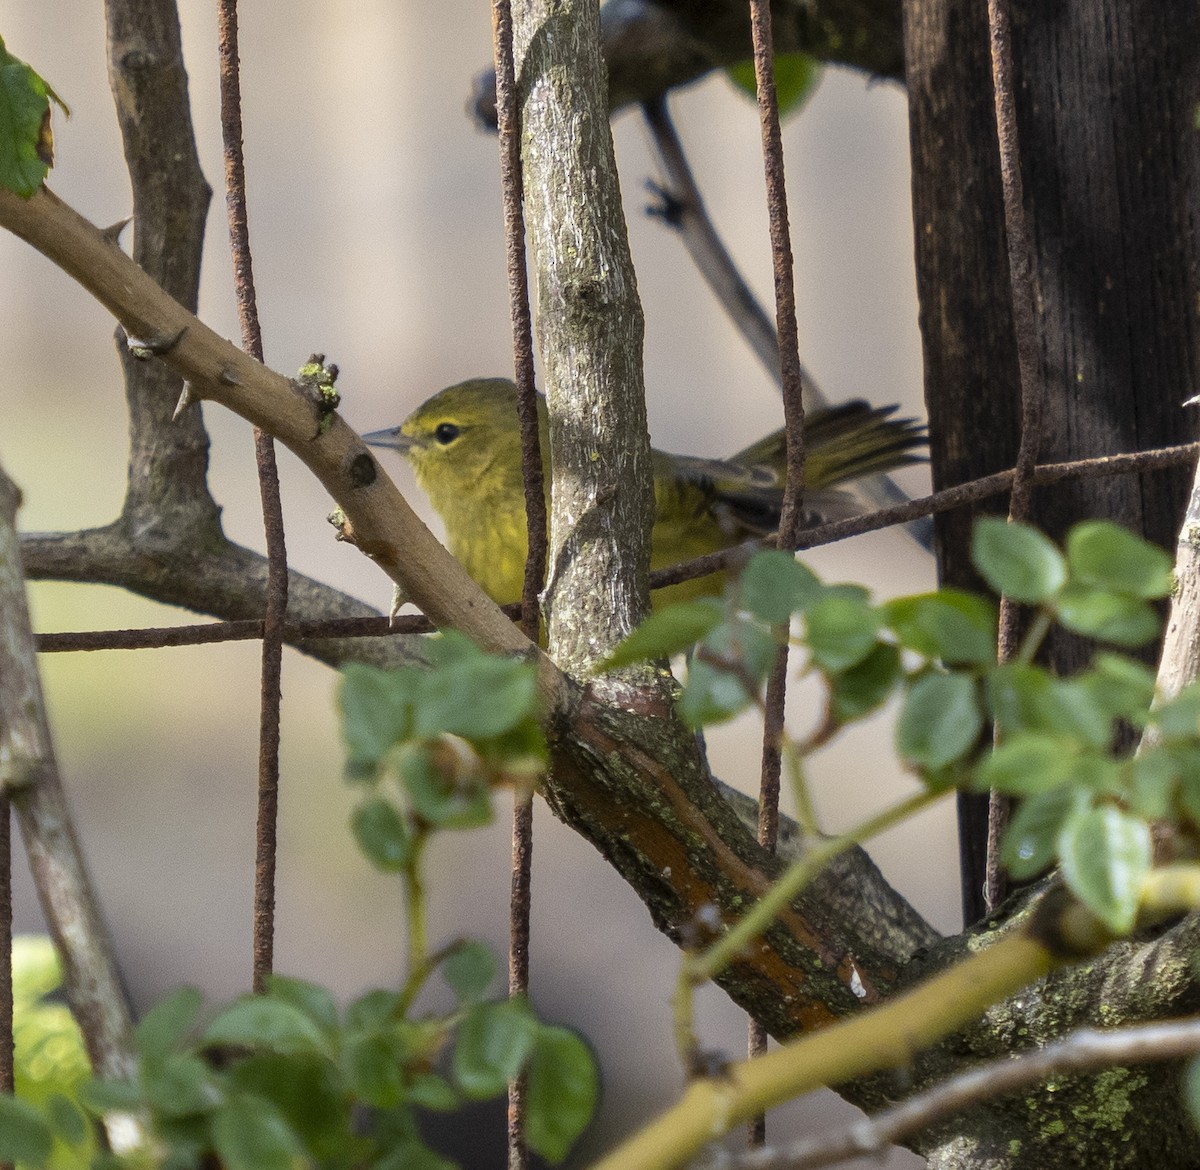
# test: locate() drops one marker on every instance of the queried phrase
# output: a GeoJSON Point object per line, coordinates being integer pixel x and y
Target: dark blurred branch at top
{"type": "Point", "coordinates": [650, 46]}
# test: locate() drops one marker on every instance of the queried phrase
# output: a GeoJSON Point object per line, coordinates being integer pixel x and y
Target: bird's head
{"type": "Point", "coordinates": [463, 440]}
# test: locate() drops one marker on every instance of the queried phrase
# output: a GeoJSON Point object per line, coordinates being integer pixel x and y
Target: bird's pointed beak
{"type": "Point", "coordinates": [389, 437]}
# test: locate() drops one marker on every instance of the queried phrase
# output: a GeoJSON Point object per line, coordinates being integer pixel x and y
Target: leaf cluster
{"type": "Point", "coordinates": [279, 1080]}
{"type": "Point", "coordinates": [428, 746]}
{"type": "Point", "coordinates": [286, 1078]}
{"type": "Point", "coordinates": [1086, 801]}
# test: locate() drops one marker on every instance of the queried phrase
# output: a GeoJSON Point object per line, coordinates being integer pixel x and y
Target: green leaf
{"type": "Point", "coordinates": [775, 585]}
{"type": "Point", "coordinates": [1106, 556]}
{"type": "Point", "coordinates": [1017, 561]}
{"type": "Point", "coordinates": [428, 1091]}
{"type": "Point", "coordinates": [564, 1086]}
{"type": "Point", "coordinates": [951, 625]}
{"type": "Point", "coordinates": [1099, 773]}
{"type": "Point", "coordinates": [1121, 686]}
{"type": "Point", "coordinates": [373, 1063]}
{"type": "Point", "coordinates": [715, 691]}
{"type": "Point", "coordinates": [472, 694]}
{"type": "Point", "coordinates": [1110, 617]}
{"type": "Point", "coordinates": [24, 1133]}
{"type": "Point", "coordinates": [1191, 1077]}
{"type": "Point", "coordinates": [376, 708]}
{"type": "Point", "coordinates": [180, 1085]}
{"type": "Point", "coordinates": [250, 1134]}
{"type": "Point", "coordinates": [35, 968]}
{"type": "Point", "coordinates": [66, 1119]}
{"type": "Point", "coordinates": [1105, 856]}
{"type": "Point", "coordinates": [443, 792]}
{"type": "Point", "coordinates": [413, 1154]}
{"type": "Point", "coordinates": [1179, 717]}
{"type": "Point", "coordinates": [1031, 840]}
{"type": "Point", "coordinates": [866, 685]}
{"type": "Point", "coordinates": [314, 1001]}
{"type": "Point", "coordinates": [26, 144]}
{"type": "Point", "coordinates": [167, 1023]}
{"type": "Point", "coordinates": [840, 632]}
{"type": "Point", "coordinates": [666, 632]}
{"type": "Point", "coordinates": [309, 1093]}
{"type": "Point", "coordinates": [1028, 698]}
{"type": "Point", "coordinates": [1153, 782]}
{"type": "Point", "coordinates": [491, 1047]}
{"type": "Point", "coordinates": [100, 1097]}
{"type": "Point", "coordinates": [382, 835]}
{"type": "Point", "coordinates": [186, 1141]}
{"type": "Point", "coordinates": [1026, 763]}
{"type": "Point", "coordinates": [940, 720]}
{"type": "Point", "coordinates": [261, 1022]}
{"type": "Point", "coordinates": [372, 1010]}
{"type": "Point", "coordinates": [796, 78]}
{"type": "Point", "coordinates": [712, 695]}
{"type": "Point", "coordinates": [469, 970]}
{"type": "Point", "coordinates": [1188, 760]}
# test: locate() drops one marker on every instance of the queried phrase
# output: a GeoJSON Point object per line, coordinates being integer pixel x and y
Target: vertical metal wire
{"type": "Point", "coordinates": [1022, 275]}
{"type": "Point", "coordinates": [793, 412]}
{"type": "Point", "coordinates": [520, 900]}
{"type": "Point", "coordinates": [268, 479]}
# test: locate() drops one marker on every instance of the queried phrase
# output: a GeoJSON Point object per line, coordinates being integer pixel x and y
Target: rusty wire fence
{"type": "Point", "coordinates": [274, 628]}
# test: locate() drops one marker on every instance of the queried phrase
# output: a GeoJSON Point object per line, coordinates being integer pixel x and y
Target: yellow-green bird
{"type": "Point", "coordinates": [464, 444]}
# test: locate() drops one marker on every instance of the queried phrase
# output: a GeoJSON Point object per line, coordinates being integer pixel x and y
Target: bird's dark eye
{"type": "Point", "coordinates": [445, 433]}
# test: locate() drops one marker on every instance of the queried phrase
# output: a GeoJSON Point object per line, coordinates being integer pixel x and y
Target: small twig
{"type": "Point", "coordinates": [250, 629]}
{"type": "Point", "coordinates": [29, 775]}
{"type": "Point", "coordinates": [683, 209]}
{"type": "Point", "coordinates": [1025, 300]}
{"type": "Point", "coordinates": [268, 481]}
{"type": "Point", "coordinates": [1087, 1050]}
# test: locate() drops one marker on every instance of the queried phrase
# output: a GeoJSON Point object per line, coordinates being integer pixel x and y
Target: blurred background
{"type": "Point", "coordinates": [376, 229]}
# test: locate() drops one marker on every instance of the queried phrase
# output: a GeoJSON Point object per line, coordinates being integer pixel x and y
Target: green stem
{"type": "Point", "coordinates": [706, 964]}
{"type": "Point", "coordinates": [1034, 636]}
{"type": "Point", "coordinates": [683, 1014]}
{"type": "Point", "coordinates": [793, 759]}
{"type": "Point", "coordinates": [419, 965]}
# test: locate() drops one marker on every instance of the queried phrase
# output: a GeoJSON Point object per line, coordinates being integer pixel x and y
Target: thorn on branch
{"type": "Point", "coordinates": [113, 233]}
{"type": "Point", "coordinates": [186, 398]}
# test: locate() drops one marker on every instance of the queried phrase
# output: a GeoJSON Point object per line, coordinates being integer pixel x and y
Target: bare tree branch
{"type": "Point", "coordinates": [29, 774]}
